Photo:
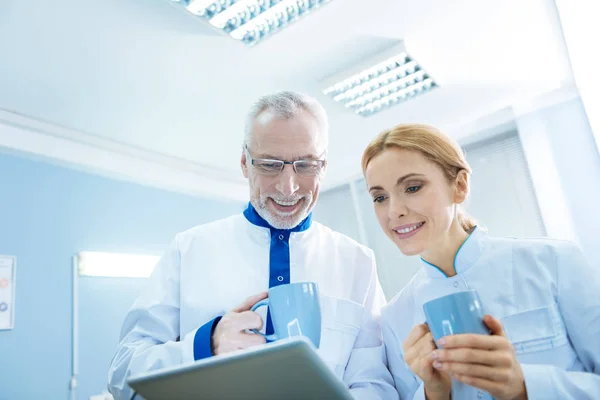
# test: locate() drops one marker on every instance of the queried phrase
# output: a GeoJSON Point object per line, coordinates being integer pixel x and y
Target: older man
{"type": "Point", "coordinates": [194, 305]}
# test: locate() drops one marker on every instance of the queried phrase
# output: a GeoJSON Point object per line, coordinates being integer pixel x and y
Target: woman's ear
{"type": "Point", "coordinates": [461, 189]}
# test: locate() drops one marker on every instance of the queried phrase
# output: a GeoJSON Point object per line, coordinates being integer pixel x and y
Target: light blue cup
{"type": "Point", "coordinates": [295, 311]}
{"type": "Point", "coordinates": [455, 314]}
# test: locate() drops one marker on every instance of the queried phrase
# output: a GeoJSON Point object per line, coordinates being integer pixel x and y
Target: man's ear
{"type": "Point", "coordinates": [244, 165]}
{"type": "Point", "coordinates": [324, 169]}
{"type": "Point", "coordinates": [461, 187]}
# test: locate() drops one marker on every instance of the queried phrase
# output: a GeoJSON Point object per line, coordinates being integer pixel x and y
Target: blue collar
{"type": "Point", "coordinates": [255, 219]}
{"type": "Point", "coordinates": [468, 253]}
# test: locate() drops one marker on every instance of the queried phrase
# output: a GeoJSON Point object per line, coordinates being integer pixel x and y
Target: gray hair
{"type": "Point", "coordinates": [286, 105]}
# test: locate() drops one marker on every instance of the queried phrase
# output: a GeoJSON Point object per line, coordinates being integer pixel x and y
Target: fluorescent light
{"type": "Point", "coordinates": [94, 263]}
{"type": "Point", "coordinates": [380, 82]}
{"type": "Point", "coordinates": [196, 7]}
{"type": "Point", "coordinates": [250, 21]}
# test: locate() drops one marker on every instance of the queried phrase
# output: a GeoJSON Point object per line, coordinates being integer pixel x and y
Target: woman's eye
{"type": "Point", "coordinates": [378, 199]}
{"type": "Point", "coordinates": [413, 189]}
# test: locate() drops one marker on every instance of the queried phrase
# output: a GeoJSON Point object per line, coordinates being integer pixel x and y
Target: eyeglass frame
{"type": "Point", "coordinates": [322, 161]}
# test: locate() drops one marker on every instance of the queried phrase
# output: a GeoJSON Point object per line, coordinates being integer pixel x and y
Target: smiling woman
{"type": "Point", "coordinates": [540, 294]}
{"type": "Point", "coordinates": [417, 179]}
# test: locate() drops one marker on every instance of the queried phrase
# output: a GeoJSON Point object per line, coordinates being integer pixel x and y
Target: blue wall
{"type": "Point", "coordinates": [103, 303]}
{"type": "Point", "coordinates": [49, 213]}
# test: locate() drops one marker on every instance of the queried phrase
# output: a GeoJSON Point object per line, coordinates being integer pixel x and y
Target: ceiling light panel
{"type": "Point", "coordinates": [251, 21]}
{"type": "Point", "coordinates": [380, 82]}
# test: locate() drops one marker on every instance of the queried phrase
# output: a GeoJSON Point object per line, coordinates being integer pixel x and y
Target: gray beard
{"type": "Point", "coordinates": [282, 222]}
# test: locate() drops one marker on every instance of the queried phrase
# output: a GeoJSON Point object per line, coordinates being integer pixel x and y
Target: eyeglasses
{"type": "Point", "coordinates": [267, 167]}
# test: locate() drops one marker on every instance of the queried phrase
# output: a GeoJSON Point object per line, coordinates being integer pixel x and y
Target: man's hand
{"type": "Point", "coordinates": [485, 362]}
{"type": "Point", "coordinates": [230, 333]}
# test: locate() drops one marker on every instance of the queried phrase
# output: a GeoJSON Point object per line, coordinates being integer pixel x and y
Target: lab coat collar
{"type": "Point", "coordinates": [466, 256]}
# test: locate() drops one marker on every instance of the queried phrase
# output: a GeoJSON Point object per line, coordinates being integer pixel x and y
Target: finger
{"type": "Point", "coordinates": [480, 383]}
{"type": "Point", "coordinates": [247, 320]}
{"type": "Point", "coordinates": [474, 356]}
{"type": "Point", "coordinates": [474, 341]}
{"type": "Point", "coordinates": [473, 370]}
{"type": "Point", "coordinates": [422, 348]}
{"type": "Point", "coordinates": [250, 302]}
{"type": "Point", "coordinates": [494, 325]}
{"type": "Point", "coordinates": [425, 345]}
{"type": "Point", "coordinates": [426, 370]}
{"type": "Point", "coordinates": [245, 340]}
{"type": "Point", "coordinates": [417, 332]}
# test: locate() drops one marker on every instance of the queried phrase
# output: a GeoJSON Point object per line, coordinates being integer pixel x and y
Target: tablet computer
{"type": "Point", "coordinates": [286, 369]}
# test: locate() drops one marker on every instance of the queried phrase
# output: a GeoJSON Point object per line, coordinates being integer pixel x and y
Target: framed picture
{"type": "Point", "coordinates": [7, 291]}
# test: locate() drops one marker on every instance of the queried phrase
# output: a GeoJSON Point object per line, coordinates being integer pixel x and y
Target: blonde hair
{"type": "Point", "coordinates": [432, 144]}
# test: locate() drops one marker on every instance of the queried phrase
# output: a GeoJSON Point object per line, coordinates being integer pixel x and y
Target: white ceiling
{"type": "Point", "coordinates": [144, 74]}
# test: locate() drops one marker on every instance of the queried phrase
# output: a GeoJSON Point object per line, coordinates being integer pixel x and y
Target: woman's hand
{"type": "Point", "coordinates": [485, 362]}
{"type": "Point", "coordinates": [418, 348]}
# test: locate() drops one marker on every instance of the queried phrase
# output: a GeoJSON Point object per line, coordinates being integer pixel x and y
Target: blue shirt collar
{"type": "Point", "coordinates": [255, 219]}
{"type": "Point", "coordinates": [467, 255]}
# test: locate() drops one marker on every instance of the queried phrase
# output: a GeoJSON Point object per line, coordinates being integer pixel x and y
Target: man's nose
{"type": "Point", "coordinates": [287, 183]}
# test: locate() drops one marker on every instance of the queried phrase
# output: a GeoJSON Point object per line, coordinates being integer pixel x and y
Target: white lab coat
{"type": "Point", "coordinates": [547, 297]}
{"type": "Point", "coordinates": [210, 269]}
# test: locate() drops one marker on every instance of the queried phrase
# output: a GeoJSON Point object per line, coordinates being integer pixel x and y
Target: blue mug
{"type": "Point", "coordinates": [295, 311]}
{"type": "Point", "coordinates": [455, 314]}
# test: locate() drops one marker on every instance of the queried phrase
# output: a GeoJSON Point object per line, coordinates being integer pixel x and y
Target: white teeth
{"type": "Point", "coordinates": [286, 203]}
{"type": "Point", "coordinates": [410, 228]}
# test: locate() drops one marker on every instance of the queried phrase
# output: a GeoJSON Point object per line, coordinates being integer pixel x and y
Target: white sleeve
{"type": "Point", "coordinates": [149, 335]}
{"type": "Point", "coordinates": [366, 373]}
{"type": "Point", "coordinates": [407, 384]}
{"type": "Point", "coordinates": [579, 305]}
